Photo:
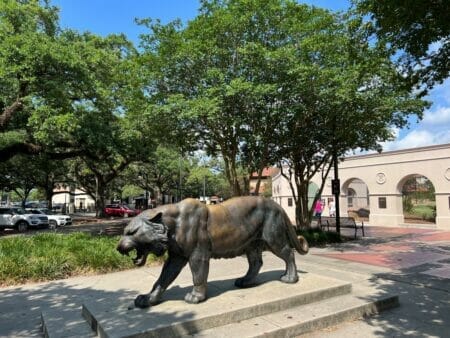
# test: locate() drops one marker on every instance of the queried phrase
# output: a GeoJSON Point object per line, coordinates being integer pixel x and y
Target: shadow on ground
{"type": "Point", "coordinates": [21, 307]}
{"type": "Point", "coordinates": [424, 305]}
{"type": "Point", "coordinates": [419, 276]}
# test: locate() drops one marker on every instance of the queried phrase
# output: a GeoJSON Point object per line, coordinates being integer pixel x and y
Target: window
{"type": "Point", "coordinates": [382, 202]}
{"type": "Point", "coordinates": [289, 201]}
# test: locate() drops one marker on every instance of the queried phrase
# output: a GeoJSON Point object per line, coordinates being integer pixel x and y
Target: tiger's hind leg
{"type": "Point", "coordinates": [290, 275]}
{"type": "Point", "coordinates": [254, 257]}
{"type": "Point", "coordinates": [282, 249]}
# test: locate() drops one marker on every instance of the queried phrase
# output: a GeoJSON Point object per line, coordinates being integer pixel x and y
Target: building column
{"type": "Point", "coordinates": [443, 210]}
{"type": "Point", "coordinates": [343, 205]}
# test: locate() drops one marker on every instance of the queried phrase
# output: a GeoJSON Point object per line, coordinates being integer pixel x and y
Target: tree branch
{"type": "Point", "coordinates": [26, 148]}
{"type": "Point", "coordinates": [8, 113]}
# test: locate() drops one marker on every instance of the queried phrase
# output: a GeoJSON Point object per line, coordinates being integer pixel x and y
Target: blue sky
{"type": "Point", "coordinates": [105, 17]}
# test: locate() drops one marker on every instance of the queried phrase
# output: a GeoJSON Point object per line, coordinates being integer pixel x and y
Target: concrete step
{"type": "Point", "coordinates": [65, 324]}
{"type": "Point", "coordinates": [226, 304]}
{"type": "Point", "coordinates": [313, 303]}
{"type": "Point", "coordinates": [303, 319]}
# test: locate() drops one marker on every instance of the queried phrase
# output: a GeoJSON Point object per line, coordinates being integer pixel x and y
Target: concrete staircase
{"type": "Point", "coordinates": [270, 309]}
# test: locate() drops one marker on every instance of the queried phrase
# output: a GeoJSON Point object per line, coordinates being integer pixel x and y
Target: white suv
{"type": "Point", "coordinates": [20, 219]}
{"type": "Point", "coordinates": [54, 219]}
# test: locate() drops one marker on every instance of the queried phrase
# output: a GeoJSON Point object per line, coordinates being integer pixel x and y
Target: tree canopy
{"type": "Point", "coordinates": [252, 82]}
{"type": "Point", "coordinates": [420, 29]}
{"type": "Point", "coordinates": [266, 81]}
{"type": "Point", "coordinates": [67, 94]}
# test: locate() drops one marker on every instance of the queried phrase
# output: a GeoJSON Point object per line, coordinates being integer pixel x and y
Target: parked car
{"type": "Point", "coordinates": [20, 219]}
{"type": "Point", "coordinates": [54, 219]}
{"type": "Point", "coordinates": [120, 210]}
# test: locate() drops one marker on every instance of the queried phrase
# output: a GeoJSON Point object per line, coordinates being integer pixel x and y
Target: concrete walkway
{"type": "Point", "coordinates": [412, 262]}
{"type": "Point", "coordinates": [417, 262]}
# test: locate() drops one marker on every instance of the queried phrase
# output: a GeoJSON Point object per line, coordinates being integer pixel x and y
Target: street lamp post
{"type": "Point", "coordinates": [336, 190]}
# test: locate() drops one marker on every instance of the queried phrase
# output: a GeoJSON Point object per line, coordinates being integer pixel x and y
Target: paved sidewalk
{"type": "Point", "coordinates": [417, 261]}
{"type": "Point", "coordinates": [411, 262]}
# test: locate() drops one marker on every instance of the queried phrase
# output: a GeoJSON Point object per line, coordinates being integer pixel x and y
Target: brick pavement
{"type": "Point", "coordinates": [400, 249]}
{"type": "Point", "coordinates": [417, 263]}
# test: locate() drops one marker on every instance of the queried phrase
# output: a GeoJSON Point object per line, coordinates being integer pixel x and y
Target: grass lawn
{"type": "Point", "coordinates": [426, 211]}
{"type": "Point", "coordinates": [50, 256]}
{"type": "Point", "coordinates": [421, 212]}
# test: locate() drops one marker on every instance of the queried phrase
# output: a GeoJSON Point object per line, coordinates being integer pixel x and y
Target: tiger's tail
{"type": "Point", "coordinates": [298, 242]}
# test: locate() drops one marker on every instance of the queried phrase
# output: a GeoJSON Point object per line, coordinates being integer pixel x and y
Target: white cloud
{"type": "Point", "coordinates": [418, 138]}
{"type": "Point", "coordinates": [439, 116]}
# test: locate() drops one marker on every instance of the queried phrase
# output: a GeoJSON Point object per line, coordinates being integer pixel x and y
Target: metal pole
{"type": "Point", "coordinates": [180, 185]}
{"type": "Point", "coordinates": [336, 192]}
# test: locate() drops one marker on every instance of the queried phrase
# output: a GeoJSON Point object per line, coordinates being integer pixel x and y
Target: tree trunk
{"type": "Point", "coordinates": [100, 197]}
{"type": "Point", "coordinates": [258, 182]}
{"type": "Point", "coordinates": [262, 165]}
{"type": "Point", "coordinates": [301, 207]}
{"type": "Point", "coordinates": [48, 197]}
{"type": "Point", "coordinates": [231, 174]}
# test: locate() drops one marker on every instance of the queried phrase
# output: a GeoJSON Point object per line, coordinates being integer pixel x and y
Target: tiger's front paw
{"type": "Point", "coordinates": [194, 298]}
{"type": "Point", "coordinates": [142, 301]}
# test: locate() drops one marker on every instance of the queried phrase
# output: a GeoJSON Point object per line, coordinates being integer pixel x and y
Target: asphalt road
{"type": "Point", "coordinates": [112, 226]}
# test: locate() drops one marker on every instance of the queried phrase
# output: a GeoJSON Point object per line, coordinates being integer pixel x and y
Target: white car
{"type": "Point", "coordinates": [54, 219]}
{"type": "Point", "coordinates": [13, 217]}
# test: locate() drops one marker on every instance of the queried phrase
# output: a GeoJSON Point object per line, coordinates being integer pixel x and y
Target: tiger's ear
{"type": "Point", "coordinates": [157, 218]}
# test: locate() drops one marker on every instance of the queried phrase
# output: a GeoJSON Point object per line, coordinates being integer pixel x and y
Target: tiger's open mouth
{"type": "Point", "coordinates": [141, 254]}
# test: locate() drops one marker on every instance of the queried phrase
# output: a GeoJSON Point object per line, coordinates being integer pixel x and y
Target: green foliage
{"type": "Point", "coordinates": [69, 94]}
{"type": "Point", "coordinates": [261, 81]}
{"type": "Point", "coordinates": [425, 212]}
{"type": "Point", "coordinates": [268, 189]}
{"type": "Point", "coordinates": [407, 204]}
{"type": "Point", "coordinates": [51, 256]}
{"type": "Point", "coordinates": [412, 28]}
{"type": "Point", "coordinates": [130, 190]}
{"type": "Point", "coordinates": [25, 174]}
{"type": "Point", "coordinates": [203, 178]}
{"type": "Point", "coordinates": [317, 237]}
{"type": "Point", "coordinates": [253, 82]}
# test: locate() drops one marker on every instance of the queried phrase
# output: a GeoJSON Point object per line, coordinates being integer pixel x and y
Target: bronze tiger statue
{"type": "Point", "coordinates": [193, 233]}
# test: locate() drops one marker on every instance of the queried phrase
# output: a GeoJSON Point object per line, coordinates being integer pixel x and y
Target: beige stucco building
{"type": "Point", "coordinates": [376, 181]}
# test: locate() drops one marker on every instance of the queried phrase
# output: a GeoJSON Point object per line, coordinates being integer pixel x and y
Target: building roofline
{"type": "Point", "coordinates": [388, 153]}
{"type": "Point", "coordinates": [399, 151]}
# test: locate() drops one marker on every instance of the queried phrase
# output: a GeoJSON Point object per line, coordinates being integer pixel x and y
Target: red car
{"type": "Point", "coordinates": [119, 210]}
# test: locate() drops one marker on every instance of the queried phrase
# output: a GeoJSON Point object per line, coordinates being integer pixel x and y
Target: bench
{"type": "Point", "coordinates": [345, 222]}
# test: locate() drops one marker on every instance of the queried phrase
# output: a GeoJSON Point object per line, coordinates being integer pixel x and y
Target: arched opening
{"type": "Point", "coordinates": [418, 200]}
{"type": "Point", "coordinates": [358, 205]}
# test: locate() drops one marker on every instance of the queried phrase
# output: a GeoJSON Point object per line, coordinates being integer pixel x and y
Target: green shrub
{"type": "Point", "coordinates": [318, 237]}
